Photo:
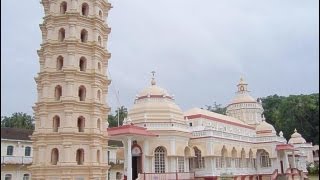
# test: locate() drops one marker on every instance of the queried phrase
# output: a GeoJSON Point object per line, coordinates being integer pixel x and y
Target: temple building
{"type": "Point", "coordinates": [163, 142]}
{"type": "Point", "coordinates": [158, 139]}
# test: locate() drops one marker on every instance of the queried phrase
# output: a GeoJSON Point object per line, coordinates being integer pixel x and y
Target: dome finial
{"type": "Point", "coordinates": [153, 82]}
{"type": "Point", "coordinates": [295, 130]}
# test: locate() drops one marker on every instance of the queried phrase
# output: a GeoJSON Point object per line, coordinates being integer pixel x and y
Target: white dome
{"type": "Point", "coordinates": [153, 90]}
{"type": "Point", "coordinates": [154, 104]}
{"type": "Point", "coordinates": [265, 128]}
{"type": "Point", "coordinates": [243, 98]}
{"type": "Point", "coordinates": [296, 138]}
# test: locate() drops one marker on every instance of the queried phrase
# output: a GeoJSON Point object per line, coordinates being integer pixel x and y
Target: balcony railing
{"type": "Point", "coordinates": [166, 176]}
{"type": "Point", "coordinates": [16, 160]}
{"type": "Point", "coordinates": [115, 161]}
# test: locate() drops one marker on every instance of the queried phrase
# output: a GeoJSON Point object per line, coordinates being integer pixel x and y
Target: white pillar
{"type": "Point", "coordinates": [129, 157]}
{"type": "Point", "coordinates": [293, 159]}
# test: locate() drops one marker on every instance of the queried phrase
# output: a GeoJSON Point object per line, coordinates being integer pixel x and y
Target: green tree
{"type": "Point", "coordinates": [18, 120]}
{"type": "Point", "coordinates": [295, 111]}
{"type": "Point", "coordinates": [113, 119]}
{"type": "Point", "coordinates": [216, 108]}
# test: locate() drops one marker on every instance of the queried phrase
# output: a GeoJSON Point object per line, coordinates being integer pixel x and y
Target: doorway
{"type": "Point", "coordinates": [281, 165]}
{"type": "Point", "coordinates": [136, 160]}
{"type": "Point", "coordinates": [136, 166]}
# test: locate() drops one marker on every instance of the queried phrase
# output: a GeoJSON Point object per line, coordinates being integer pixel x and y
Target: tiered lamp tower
{"type": "Point", "coordinates": [70, 140]}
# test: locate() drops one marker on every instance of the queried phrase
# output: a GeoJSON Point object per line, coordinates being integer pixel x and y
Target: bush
{"type": "Point", "coordinates": [313, 169]}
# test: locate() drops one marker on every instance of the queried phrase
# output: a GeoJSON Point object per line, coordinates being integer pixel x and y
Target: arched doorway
{"type": "Point", "coordinates": [136, 160]}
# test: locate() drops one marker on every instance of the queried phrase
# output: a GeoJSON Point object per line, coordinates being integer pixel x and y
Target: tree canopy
{"type": "Point", "coordinates": [113, 119]}
{"type": "Point", "coordinates": [217, 108]}
{"type": "Point", "coordinates": [295, 111]}
{"type": "Point", "coordinates": [18, 120]}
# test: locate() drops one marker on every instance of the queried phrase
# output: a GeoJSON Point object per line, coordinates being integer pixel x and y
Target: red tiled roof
{"type": "Point", "coordinates": [218, 120]}
{"type": "Point", "coordinates": [16, 133]}
{"type": "Point", "coordinates": [284, 147]}
{"type": "Point", "coordinates": [129, 130]}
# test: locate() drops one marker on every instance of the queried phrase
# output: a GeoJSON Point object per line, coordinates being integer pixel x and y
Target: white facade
{"type": "Point", "coordinates": [203, 144]}
{"type": "Point", "coordinates": [16, 156]}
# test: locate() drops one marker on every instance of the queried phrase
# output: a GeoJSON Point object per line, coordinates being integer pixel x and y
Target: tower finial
{"type": "Point", "coordinates": [153, 82]}
{"type": "Point", "coordinates": [295, 130]}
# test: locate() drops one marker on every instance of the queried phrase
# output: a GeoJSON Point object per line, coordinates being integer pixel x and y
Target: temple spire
{"type": "Point", "coordinates": [153, 81]}
{"type": "Point", "coordinates": [242, 85]}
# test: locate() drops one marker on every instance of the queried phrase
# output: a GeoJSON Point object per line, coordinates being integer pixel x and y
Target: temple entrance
{"type": "Point", "coordinates": [281, 165]}
{"type": "Point", "coordinates": [136, 161]}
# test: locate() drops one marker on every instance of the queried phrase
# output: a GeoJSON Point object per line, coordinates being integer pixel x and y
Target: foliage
{"type": "Point", "coordinates": [313, 169]}
{"type": "Point", "coordinates": [216, 108]}
{"type": "Point", "coordinates": [295, 111]}
{"type": "Point", "coordinates": [18, 120]}
{"type": "Point", "coordinates": [113, 119]}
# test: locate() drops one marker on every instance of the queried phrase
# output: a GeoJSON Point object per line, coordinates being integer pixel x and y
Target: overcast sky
{"type": "Point", "coordinates": [199, 49]}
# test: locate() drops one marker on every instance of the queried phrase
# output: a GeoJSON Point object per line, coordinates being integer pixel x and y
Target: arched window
{"type": "Point", "coordinates": [118, 176]}
{"type": "Point", "coordinates": [82, 93]}
{"type": "Point", "coordinates": [8, 177]}
{"type": "Point", "coordinates": [26, 176]}
{"type": "Point", "coordinates": [84, 35]}
{"type": "Point", "coordinates": [98, 156]}
{"type": "Point", "coordinates": [99, 67]}
{"type": "Point", "coordinates": [159, 162]}
{"type": "Point", "coordinates": [99, 95]}
{"type": "Point", "coordinates": [80, 156]}
{"type": "Point", "coordinates": [99, 40]}
{"type": "Point", "coordinates": [198, 160]}
{"type": "Point", "coordinates": [251, 160]}
{"type": "Point", "coordinates": [58, 92]}
{"type": "Point", "coordinates": [98, 123]}
{"type": "Point", "coordinates": [80, 124]}
{"type": "Point", "coordinates": [224, 154]}
{"type": "Point", "coordinates": [56, 123]}
{"type": "Point", "coordinates": [54, 156]}
{"type": "Point", "coordinates": [59, 63]}
{"type": "Point", "coordinates": [83, 64]}
{"type": "Point", "coordinates": [63, 7]}
{"type": "Point", "coordinates": [243, 159]}
{"type": "Point", "coordinates": [234, 158]}
{"type": "Point", "coordinates": [100, 14]}
{"type": "Point", "coordinates": [85, 9]}
{"type": "Point", "coordinates": [27, 151]}
{"type": "Point", "coordinates": [264, 159]}
{"type": "Point", "coordinates": [62, 35]}
{"type": "Point", "coordinates": [9, 150]}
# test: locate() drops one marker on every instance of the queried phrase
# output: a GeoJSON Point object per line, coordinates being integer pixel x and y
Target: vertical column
{"type": "Point", "coordinates": [52, 7]}
{"type": "Point", "coordinates": [293, 159]}
{"type": "Point", "coordinates": [144, 159]}
{"type": "Point", "coordinates": [286, 161]}
{"type": "Point", "coordinates": [129, 169]}
{"type": "Point", "coordinates": [72, 31]}
{"type": "Point", "coordinates": [73, 5]}
{"type": "Point", "coordinates": [70, 62]}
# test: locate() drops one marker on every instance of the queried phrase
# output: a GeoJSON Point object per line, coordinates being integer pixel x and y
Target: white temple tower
{"type": "Point", "coordinates": [244, 106]}
{"type": "Point", "coordinates": [70, 140]}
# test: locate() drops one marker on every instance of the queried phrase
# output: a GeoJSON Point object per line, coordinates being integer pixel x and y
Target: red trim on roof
{"type": "Point", "coordinates": [219, 120]}
{"type": "Point", "coordinates": [284, 147]}
{"type": "Point", "coordinates": [244, 102]}
{"type": "Point", "coordinates": [264, 131]}
{"type": "Point", "coordinates": [129, 130]}
{"type": "Point", "coordinates": [154, 96]}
